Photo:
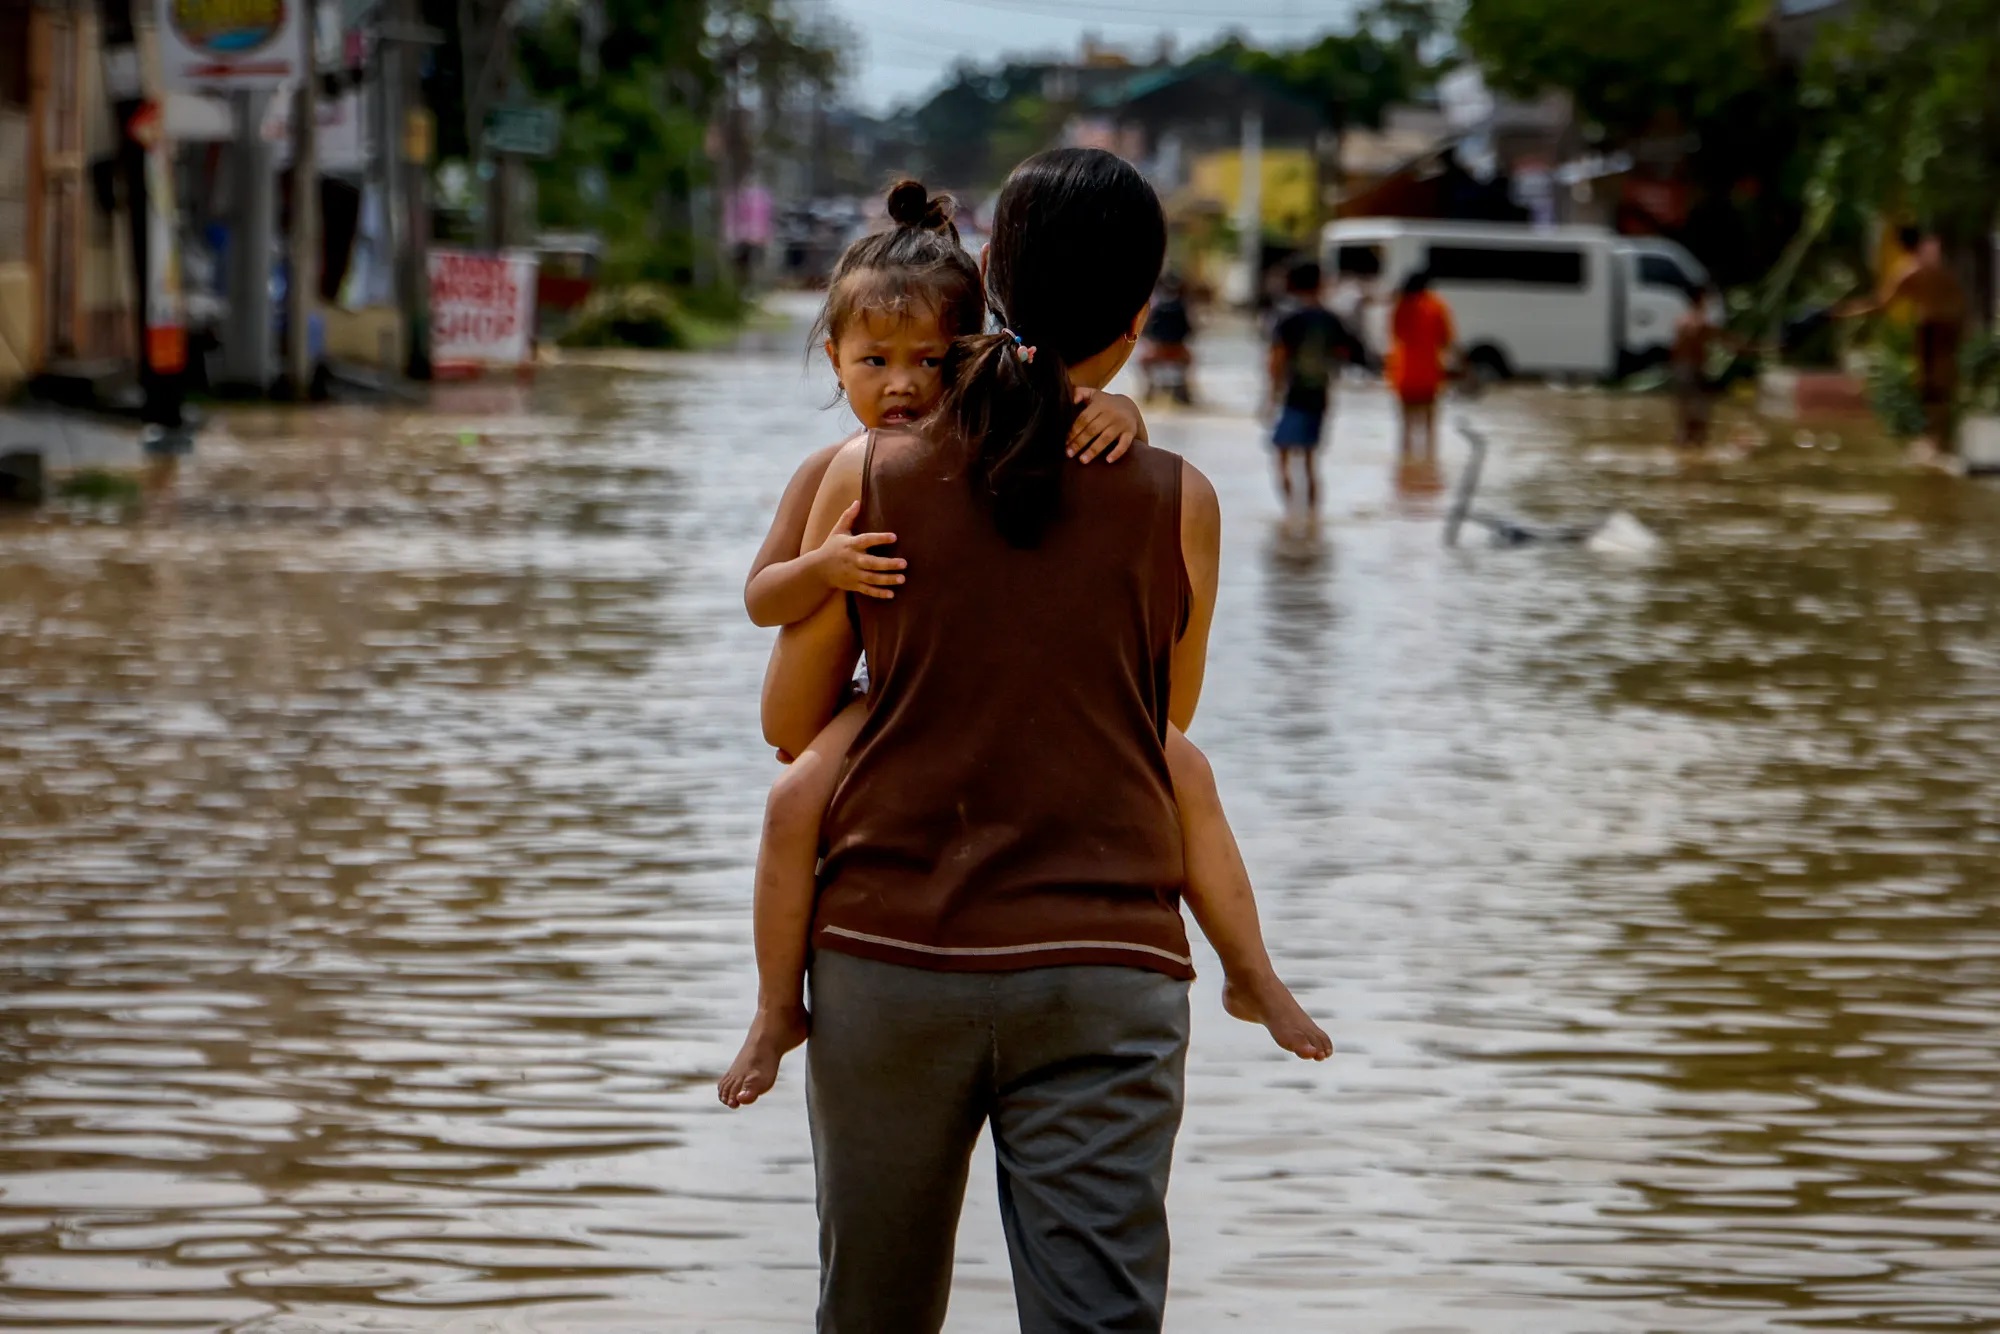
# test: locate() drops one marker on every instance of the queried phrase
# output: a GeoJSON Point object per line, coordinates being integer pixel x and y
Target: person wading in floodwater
{"type": "Point", "coordinates": [1938, 307]}
{"type": "Point", "coordinates": [1308, 348]}
{"type": "Point", "coordinates": [1694, 393]}
{"type": "Point", "coordinates": [997, 938]}
{"type": "Point", "coordinates": [1421, 335]}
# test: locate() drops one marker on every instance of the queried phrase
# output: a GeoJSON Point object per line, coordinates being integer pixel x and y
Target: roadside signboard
{"type": "Point", "coordinates": [482, 310]}
{"type": "Point", "coordinates": [341, 147]}
{"type": "Point", "coordinates": [524, 131]}
{"type": "Point", "coordinates": [208, 44]}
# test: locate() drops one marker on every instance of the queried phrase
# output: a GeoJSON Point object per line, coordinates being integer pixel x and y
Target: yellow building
{"type": "Point", "coordinates": [1291, 180]}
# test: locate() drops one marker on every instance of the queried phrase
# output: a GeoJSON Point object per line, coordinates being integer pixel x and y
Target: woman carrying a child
{"type": "Point", "coordinates": [996, 937]}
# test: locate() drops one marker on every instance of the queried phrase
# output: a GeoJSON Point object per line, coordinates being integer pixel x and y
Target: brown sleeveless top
{"type": "Point", "coordinates": [1007, 803]}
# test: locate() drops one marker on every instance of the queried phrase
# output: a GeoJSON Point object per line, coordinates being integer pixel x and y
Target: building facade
{"type": "Point", "coordinates": [65, 294]}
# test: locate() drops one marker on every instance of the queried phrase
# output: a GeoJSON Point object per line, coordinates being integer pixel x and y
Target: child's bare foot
{"type": "Point", "coordinates": [755, 1069]}
{"type": "Point", "coordinates": [1266, 1000]}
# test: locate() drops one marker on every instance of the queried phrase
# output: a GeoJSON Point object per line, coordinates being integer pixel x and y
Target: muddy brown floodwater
{"type": "Point", "coordinates": [376, 817]}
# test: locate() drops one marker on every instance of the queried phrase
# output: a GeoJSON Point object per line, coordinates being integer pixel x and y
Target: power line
{"type": "Point", "coordinates": [917, 66]}
{"type": "Point", "coordinates": [874, 23]}
{"type": "Point", "coordinates": [1100, 11]}
{"type": "Point", "coordinates": [956, 39]}
{"type": "Point", "coordinates": [954, 46]}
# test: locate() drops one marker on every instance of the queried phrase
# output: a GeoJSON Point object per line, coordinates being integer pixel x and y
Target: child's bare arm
{"type": "Point", "coordinates": [845, 562]}
{"type": "Point", "coordinates": [784, 587]}
{"type": "Point", "coordinates": [813, 660]}
{"type": "Point", "coordinates": [788, 580]}
{"type": "Point", "coordinates": [1106, 424]}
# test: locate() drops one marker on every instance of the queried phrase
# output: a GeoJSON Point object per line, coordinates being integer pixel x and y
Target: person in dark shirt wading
{"type": "Point", "coordinates": [1308, 348]}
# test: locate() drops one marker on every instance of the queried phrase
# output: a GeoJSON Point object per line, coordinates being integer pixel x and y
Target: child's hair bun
{"type": "Point", "coordinates": [910, 205]}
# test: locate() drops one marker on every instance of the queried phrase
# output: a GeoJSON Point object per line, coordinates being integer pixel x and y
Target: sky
{"type": "Point", "coordinates": [907, 47]}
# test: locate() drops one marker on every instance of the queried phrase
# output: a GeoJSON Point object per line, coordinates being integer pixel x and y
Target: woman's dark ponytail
{"type": "Point", "coordinates": [1078, 243]}
{"type": "Point", "coordinates": [1012, 402]}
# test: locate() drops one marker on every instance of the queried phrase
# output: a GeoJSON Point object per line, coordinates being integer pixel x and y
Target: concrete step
{"type": "Point", "coordinates": [93, 386]}
{"type": "Point", "coordinates": [65, 441]}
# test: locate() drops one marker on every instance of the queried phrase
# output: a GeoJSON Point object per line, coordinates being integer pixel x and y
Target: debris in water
{"type": "Point", "coordinates": [1623, 535]}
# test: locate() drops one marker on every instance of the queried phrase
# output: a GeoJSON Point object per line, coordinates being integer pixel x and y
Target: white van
{"type": "Point", "coordinates": [1527, 300]}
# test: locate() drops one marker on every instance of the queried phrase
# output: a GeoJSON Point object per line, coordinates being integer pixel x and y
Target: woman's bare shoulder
{"type": "Point", "coordinates": [1195, 485]}
{"type": "Point", "coordinates": [1201, 511]}
{"type": "Point", "coordinates": [1163, 464]}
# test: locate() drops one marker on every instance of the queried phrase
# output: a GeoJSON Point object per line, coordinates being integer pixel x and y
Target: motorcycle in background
{"type": "Point", "coordinates": [1165, 360]}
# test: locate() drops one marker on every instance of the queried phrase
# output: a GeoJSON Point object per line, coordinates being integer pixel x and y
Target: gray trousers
{"type": "Point", "coordinates": [1079, 1072]}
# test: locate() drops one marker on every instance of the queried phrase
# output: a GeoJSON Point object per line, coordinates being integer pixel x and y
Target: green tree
{"type": "Point", "coordinates": [1908, 95]}
{"type": "Point", "coordinates": [972, 131]}
{"type": "Point", "coordinates": [635, 94]}
{"type": "Point", "coordinates": [1624, 64]}
{"type": "Point", "coordinates": [641, 85]}
{"type": "Point", "coordinates": [1025, 126]}
{"type": "Point", "coordinates": [1665, 69]}
{"type": "Point", "coordinates": [1352, 78]}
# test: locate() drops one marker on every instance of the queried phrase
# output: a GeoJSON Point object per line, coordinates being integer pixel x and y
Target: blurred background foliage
{"type": "Point", "coordinates": [1801, 154]}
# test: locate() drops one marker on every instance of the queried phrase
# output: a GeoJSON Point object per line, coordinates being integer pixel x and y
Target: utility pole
{"type": "Point", "coordinates": [486, 34]}
{"type": "Point", "coordinates": [500, 194]}
{"type": "Point", "coordinates": [419, 144]}
{"type": "Point", "coordinates": [384, 161]}
{"type": "Point", "coordinates": [1250, 210]}
{"type": "Point", "coordinates": [1330, 178]}
{"type": "Point", "coordinates": [406, 133]}
{"type": "Point", "coordinates": [730, 172]}
{"type": "Point", "coordinates": [247, 345]}
{"type": "Point", "coordinates": [161, 338]}
{"type": "Point", "coordinates": [302, 290]}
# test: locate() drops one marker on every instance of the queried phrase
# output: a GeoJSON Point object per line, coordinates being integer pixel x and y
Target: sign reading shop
{"type": "Point", "coordinates": [482, 311]}
{"type": "Point", "coordinates": [220, 44]}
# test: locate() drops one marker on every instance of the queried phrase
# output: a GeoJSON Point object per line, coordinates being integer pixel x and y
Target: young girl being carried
{"type": "Point", "coordinates": [896, 301]}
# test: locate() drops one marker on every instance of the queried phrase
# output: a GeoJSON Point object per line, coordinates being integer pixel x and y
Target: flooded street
{"type": "Point", "coordinates": [377, 814]}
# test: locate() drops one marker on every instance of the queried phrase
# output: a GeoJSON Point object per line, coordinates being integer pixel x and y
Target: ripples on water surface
{"type": "Point", "coordinates": [375, 828]}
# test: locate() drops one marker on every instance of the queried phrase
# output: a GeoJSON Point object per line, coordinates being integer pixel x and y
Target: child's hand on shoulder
{"type": "Point", "coordinates": [846, 564]}
{"type": "Point", "coordinates": [1105, 426]}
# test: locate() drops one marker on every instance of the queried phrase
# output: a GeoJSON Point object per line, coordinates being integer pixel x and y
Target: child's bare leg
{"type": "Point", "coordinates": [1219, 894]}
{"type": "Point", "coordinates": [784, 907]}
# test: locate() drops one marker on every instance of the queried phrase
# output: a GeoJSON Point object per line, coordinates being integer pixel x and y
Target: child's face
{"type": "Point", "coordinates": [889, 366]}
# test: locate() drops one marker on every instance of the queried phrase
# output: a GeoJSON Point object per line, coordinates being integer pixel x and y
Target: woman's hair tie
{"type": "Point", "coordinates": [1021, 348]}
